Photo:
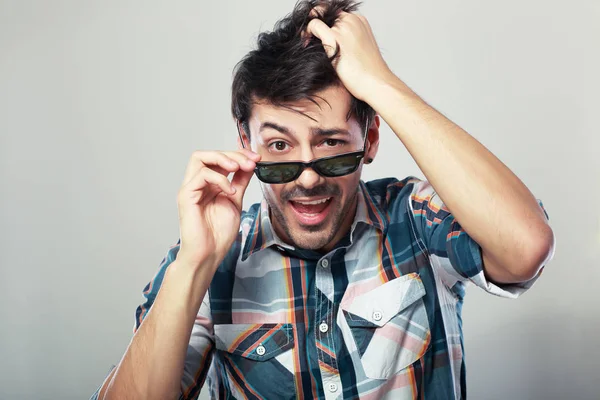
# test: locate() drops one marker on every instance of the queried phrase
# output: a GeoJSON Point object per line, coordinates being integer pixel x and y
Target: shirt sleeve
{"type": "Point", "coordinates": [452, 252]}
{"type": "Point", "coordinates": [199, 352]}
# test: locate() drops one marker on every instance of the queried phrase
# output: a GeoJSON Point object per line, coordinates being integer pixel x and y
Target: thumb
{"type": "Point", "coordinates": [318, 28]}
{"type": "Point", "coordinates": [240, 182]}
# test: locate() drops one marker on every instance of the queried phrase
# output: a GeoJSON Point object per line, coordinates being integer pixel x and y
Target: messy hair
{"type": "Point", "coordinates": [285, 69]}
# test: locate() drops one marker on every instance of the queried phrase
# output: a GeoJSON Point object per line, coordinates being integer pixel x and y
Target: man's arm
{"type": "Point", "coordinates": [492, 205]}
{"type": "Point", "coordinates": [152, 366]}
{"type": "Point", "coordinates": [209, 208]}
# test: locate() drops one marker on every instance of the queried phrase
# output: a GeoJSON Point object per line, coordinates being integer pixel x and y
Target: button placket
{"type": "Point", "coordinates": [324, 325]}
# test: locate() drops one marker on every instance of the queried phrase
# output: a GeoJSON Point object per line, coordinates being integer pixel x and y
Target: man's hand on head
{"type": "Point", "coordinates": [360, 65]}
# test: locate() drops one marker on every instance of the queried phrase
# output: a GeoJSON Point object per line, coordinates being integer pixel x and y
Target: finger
{"type": "Point", "coordinates": [201, 159]}
{"type": "Point", "coordinates": [245, 163]}
{"type": "Point", "coordinates": [252, 155]}
{"type": "Point", "coordinates": [346, 20]}
{"type": "Point", "coordinates": [207, 178]}
{"type": "Point", "coordinates": [317, 11]}
{"type": "Point", "coordinates": [240, 182]}
{"type": "Point", "coordinates": [318, 28]}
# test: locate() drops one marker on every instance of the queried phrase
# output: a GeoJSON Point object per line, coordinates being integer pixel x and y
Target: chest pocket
{"type": "Point", "coordinates": [259, 342]}
{"type": "Point", "coordinates": [389, 325]}
{"type": "Point", "coordinates": [249, 353]}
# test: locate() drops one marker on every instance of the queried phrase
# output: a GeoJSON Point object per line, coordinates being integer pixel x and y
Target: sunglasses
{"type": "Point", "coordinates": [330, 167]}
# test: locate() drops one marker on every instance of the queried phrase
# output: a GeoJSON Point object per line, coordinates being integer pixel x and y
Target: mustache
{"type": "Point", "coordinates": [317, 191]}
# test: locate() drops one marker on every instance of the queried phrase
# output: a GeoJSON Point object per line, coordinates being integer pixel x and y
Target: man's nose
{"type": "Point", "coordinates": [309, 179]}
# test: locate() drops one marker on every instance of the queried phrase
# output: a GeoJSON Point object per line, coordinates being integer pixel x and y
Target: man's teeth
{"type": "Point", "coordinates": [310, 203]}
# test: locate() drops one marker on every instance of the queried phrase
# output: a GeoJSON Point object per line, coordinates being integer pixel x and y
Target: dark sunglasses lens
{"type": "Point", "coordinates": [279, 173]}
{"type": "Point", "coordinates": [338, 166]}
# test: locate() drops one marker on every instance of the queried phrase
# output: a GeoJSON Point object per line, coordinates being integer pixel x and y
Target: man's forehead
{"type": "Point", "coordinates": [328, 108]}
{"type": "Point", "coordinates": [298, 117]}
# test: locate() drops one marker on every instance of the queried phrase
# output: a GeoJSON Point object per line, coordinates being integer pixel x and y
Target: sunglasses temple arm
{"type": "Point", "coordinates": [238, 123]}
{"type": "Point", "coordinates": [368, 124]}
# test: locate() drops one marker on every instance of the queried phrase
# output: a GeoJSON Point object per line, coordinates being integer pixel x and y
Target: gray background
{"type": "Point", "coordinates": [103, 102]}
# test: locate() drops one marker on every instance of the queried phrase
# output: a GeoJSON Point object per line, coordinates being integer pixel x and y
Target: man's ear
{"type": "Point", "coordinates": [239, 142]}
{"type": "Point", "coordinates": [372, 140]}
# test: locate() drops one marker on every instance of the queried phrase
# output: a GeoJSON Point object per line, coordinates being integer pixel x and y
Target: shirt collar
{"type": "Point", "coordinates": [262, 235]}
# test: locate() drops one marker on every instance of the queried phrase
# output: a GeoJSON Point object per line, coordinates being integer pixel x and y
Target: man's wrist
{"type": "Point", "coordinates": [209, 261]}
{"type": "Point", "coordinates": [396, 103]}
{"type": "Point", "coordinates": [185, 286]}
{"type": "Point", "coordinates": [388, 88]}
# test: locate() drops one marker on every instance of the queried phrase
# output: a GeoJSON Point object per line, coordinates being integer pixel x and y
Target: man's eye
{"type": "Point", "coordinates": [279, 145]}
{"type": "Point", "coordinates": [334, 142]}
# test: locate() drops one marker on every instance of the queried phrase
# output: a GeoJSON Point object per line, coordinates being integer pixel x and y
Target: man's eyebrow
{"type": "Point", "coordinates": [273, 125]}
{"type": "Point", "coordinates": [314, 131]}
{"type": "Point", "coordinates": [329, 132]}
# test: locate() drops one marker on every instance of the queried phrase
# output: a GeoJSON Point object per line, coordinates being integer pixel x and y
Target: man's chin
{"type": "Point", "coordinates": [310, 241]}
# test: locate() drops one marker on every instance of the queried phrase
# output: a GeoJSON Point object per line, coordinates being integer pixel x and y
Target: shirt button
{"type": "Point", "coordinates": [323, 327]}
{"type": "Point", "coordinates": [332, 387]}
{"type": "Point", "coordinates": [260, 350]}
{"type": "Point", "coordinates": [325, 263]}
{"type": "Point", "coordinates": [377, 315]}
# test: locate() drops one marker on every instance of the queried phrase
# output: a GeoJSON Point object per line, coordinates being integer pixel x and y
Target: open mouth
{"type": "Point", "coordinates": [311, 212]}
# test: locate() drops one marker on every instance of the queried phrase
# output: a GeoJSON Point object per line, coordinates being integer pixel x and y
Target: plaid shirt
{"type": "Point", "coordinates": [379, 316]}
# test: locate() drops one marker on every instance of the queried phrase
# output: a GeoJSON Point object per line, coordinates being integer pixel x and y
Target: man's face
{"type": "Point", "coordinates": [312, 212]}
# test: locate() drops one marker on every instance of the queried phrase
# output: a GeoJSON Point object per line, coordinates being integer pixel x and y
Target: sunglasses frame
{"type": "Point", "coordinates": [309, 164]}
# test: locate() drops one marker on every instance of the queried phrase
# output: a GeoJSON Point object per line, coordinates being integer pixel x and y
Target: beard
{"type": "Point", "coordinates": [311, 237]}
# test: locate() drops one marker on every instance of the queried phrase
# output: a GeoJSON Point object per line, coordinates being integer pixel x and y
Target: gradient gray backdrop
{"type": "Point", "coordinates": [103, 102]}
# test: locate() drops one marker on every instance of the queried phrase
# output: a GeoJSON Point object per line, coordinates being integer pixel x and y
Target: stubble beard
{"type": "Point", "coordinates": [312, 237]}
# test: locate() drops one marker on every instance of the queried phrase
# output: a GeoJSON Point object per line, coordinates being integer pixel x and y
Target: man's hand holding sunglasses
{"type": "Point", "coordinates": [210, 205]}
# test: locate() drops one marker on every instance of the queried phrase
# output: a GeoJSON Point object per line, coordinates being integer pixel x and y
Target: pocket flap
{"type": "Point", "coordinates": [377, 306]}
{"type": "Point", "coordinates": [258, 342]}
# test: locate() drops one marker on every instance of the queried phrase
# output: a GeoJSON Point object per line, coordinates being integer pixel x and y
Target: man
{"type": "Point", "coordinates": [330, 287]}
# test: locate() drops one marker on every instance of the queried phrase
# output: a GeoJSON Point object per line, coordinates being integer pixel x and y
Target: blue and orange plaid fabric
{"type": "Point", "coordinates": [379, 316]}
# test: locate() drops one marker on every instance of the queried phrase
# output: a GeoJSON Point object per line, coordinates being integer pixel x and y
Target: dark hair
{"type": "Point", "coordinates": [284, 69]}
